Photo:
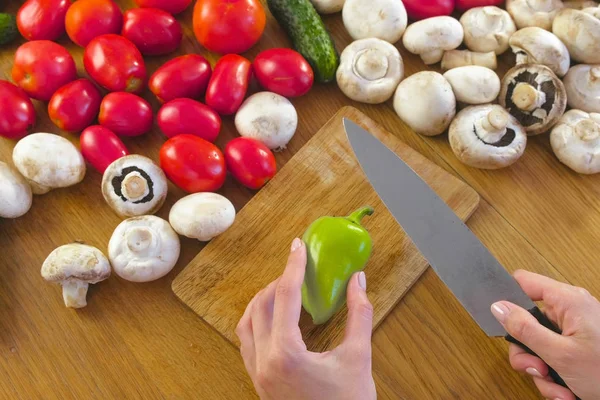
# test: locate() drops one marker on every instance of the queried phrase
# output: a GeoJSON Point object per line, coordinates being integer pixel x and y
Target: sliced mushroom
{"type": "Point", "coordinates": [580, 32]}
{"type": "Point", "coordinates": [75, 266]}
{"type": "Point", "coordinates": [487, 29]}
{"type": "Point", "coordinates": [328, 6]}
{"type": "Point", "coordinates": [15, 193]}
{"type": "Point", "coordinates": [575, 141]}
{"type": "Point", "coordinates": [582, 84]}
{"type": "Point", "coordinates": [430, 37]}
{"type": "Point", "coordinates": [48, 161]}
{"type": "Point", "coordinates": [134, 185]}
{"type": "Point", "coordinates": [382, 19]}
{"type": "Point", "coordinates": [538, 13]}
{"type": "Point", "coordinates": [143, 249]}
{"type": "Point", "coordinates": [474, 84]}
{"type": "Point", "coordinates": [535, 45]}
{"type": "Point", "coordinates": [579, 4]}
{"type": "Point", "coordinates": [370, 70]}
{"type": "Point", "coordinates": [463, 58]}
{"type": "Point", "coordinates": [202, 216]}
{"type": "Point", "coordinates": [487, 137]}
{"type": "Point", "coordinates": [425, 102]}
{"type": "Point", "coordinates": [534, 96]}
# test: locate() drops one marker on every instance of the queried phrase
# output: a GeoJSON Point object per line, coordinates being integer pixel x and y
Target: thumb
{"type": "Point", "coordinates": [359, 325]}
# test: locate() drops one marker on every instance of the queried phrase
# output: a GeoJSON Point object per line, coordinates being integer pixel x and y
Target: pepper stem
{"type": "Point", "coordinates": [358, 215]}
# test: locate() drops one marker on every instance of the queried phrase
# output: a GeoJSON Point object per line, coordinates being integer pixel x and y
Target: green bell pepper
{"type": "Point", "coordinates": [336, 247]}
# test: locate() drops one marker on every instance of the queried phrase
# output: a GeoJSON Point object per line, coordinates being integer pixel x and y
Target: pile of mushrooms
{"type": "Point", "coordinates": [15, 193]}
{"type": "Point", "coordinates": [575, 141]}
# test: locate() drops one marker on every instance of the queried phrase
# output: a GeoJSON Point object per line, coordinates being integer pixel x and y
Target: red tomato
{"type": "Point", "coordinates": [125, 114]}
{"type": "Point", "coordinates": [153, 31]}
{"type": "Point", "coordinates": [87, 19]}
{"type": "Point", "coordinates": [250, 162]}
{"type": "Point", "coordinates": [283, 71]}
{"type": "Point", "coordinates": [42, 19]}
{"type": "Point", "coordinates": [193, 164]}
{"type": "Point", "coordinates": [41, 67]}
{"type": "Point", "coordinates": [171, 6]}
{"type": "Point", "coordinates": [189, 116]}
{"type": "Point", "coordinates": [228, 84]}
{"type": "Point", "coordinates": [74, 106]}
{"type": "Point", "coordinates": [421, 9]}
{"type": "Point", "coordinates": [100, 147]}
{"type": "Point", "coordinates": [115, 63]}
{"type": "Point", "coordinates": [228, 26]}
{"type": "Point", "coordinates": [17, 114]}
{"type": "Point", "coordinates": [463, 5]}
{"type": "Point", "coordinates": [184, 76]}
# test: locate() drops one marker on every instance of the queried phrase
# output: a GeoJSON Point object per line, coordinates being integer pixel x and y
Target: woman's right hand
{"type": "Point", "coordinates": [574, 355]}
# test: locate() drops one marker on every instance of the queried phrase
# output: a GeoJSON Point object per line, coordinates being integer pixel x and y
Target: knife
{"type": "Point", "coordinates": [462, 262]}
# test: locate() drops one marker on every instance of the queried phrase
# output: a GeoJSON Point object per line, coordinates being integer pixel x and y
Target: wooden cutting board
{"type": "Point", "coordinates": [323, 178]}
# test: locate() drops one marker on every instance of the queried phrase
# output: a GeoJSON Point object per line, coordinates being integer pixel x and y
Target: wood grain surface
{"type": "Point", "coordinates": [138, 341]}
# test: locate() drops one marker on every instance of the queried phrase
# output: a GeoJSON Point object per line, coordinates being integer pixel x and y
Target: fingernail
{"type": "Point", "coordinates": [500, 311]}
{"type": "Point", "coordinates": [362, 281]}
{"type": "Point", "coordinates": [296, 244]}
{"type": "Point", "coordinates": [534, 372]}
{"type": "Point", "coordinates": [558, 398]}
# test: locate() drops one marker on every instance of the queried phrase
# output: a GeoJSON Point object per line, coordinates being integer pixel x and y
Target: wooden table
{"type": "Point", "coordinates": [137, 341]}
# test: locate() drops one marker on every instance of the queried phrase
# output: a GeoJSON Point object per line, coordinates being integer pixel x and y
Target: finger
{"type": "Point", "coordinates": [524, 362]}
{"type": "Point", "coordinates": [551, 390]}
{"type": "Point", "coordinates": [262, 317]}
{"type": "Point", "coordinates": [245, 334]}
{"type": "Point", "coordinates": [359, 326]}
{"type": "Point", "coordinates": [539, 287]}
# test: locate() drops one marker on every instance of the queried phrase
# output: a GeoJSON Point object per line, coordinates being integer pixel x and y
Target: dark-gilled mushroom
{"type": "Point", "coordinates": [582, 83]}
{"type": "Point", "coordinates": [575, 141]}
{"type": "Point", "coordinates": [535, 96]}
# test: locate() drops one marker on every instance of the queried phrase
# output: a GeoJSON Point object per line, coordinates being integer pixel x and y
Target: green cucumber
{"type": "Point", "coordinates": [8, 28]}
{"type": "Point", "coordinates": [309, 36]}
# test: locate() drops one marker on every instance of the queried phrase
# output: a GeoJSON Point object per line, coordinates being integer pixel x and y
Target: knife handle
{"type": "Point", "coordinates": [542, 319]}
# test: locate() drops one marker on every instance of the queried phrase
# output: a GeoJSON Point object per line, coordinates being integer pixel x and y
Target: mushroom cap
{"type": "Point", "coordinates": [538, 13]}
{"type": "Point", "coordinates": [487, 137]}
{"type": "Point", "coordinates": [535, 45]}
{"type": "Point", "coordinates": [534, 96]}
{"type": "Point", "coordinates": [48, 161]}
{"type": "Point", "coordinates": [575, 141]}
{"type": "Point", "coordinates": [579, 4]}
{"type": "Point", "coordinates": [432, 36]}
{"type": "Point", "coordinates": [328, 6]}
{"type": "Point", "coordinates": [582, 84]}
{"type": "Point", "coordinates": [202, 216]}
{"type": "Point", "coordinates": [370, 70]}
{"type": "Point", "coordinates": [474, 84]}
{"type": "Point", "coordinates": [134, 185]}
{"type": "Point", "coordinates": [580, 32]}
{"type": "Point", "coordinates": [15, 193]}
{"type": "Point", "coordinates": [143, 249]}
{"type": "Point", "coordinates": [425, 102]}
{"type": "Point", "coordinates": [76, 261]}
{"type": "Point", "coordinates": [487, 29]}
{"type": "Point", "coordinates": [382, 19]}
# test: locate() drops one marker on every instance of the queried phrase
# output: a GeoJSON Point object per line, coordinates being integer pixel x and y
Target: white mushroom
{"type": "Point", "coordinates": [425, 102]}
{"type": "Point", "coordinates": [134, 185]}
{"type": "Point", "coordinates": [580, 32]}
{"type": "Point", "coordinates": [430, 37]}
{"type": "Point", "coordinates": [370, 70]}
{"type": "Point", "coordinates": [535, 45]}
{"type": "Point", "coordinates": [267, 117]}
{"type": "Point", "coordinates": [15, 193]}
{"type": "Point", "coordinates": [328, 6]}
{"type": "Point", "coordinates": [463, 58]}
{"type": "Point", "coordinates": [538, 13]}
{"type": "Point", "coordinates": [534, 96]}
{"type": "Point", "coordinates": [75, 266]}
{"type": "Point", "coordinates": [202, 216]}
{"type": "Point", "coordinates": [582, 84]}
{"type": "Point", "coordinates": [48, 161]}
{"type": "Point", "coordinates": [579, 4]}
{"type": "Point", "coordinates": [143, 249]}
{"type": "Point", "coordinates": [575, 141]}
{"type": "Point", "coordinates": [474, 84]}
{"type": "Point", "coordinates": [487, 29]}
{"type": "Point", "coordinates": [487, 137]}
{"type": "Point", "coordinates": [382, 19]}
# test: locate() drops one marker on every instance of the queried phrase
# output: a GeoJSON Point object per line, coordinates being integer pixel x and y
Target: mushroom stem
{"type": "Point", "coordinates": [139, 239]}
{"type": "Point", "coordinates": [432, 57]}
{"type": "Point", "coordinates": [528, 98]}
{"type": "Point", "coordinates": [74, 293]}
{"type": "Point", "coordinates": [134, 186]}
{"type": "Point", "coordinates": [588, 130]}
{"type": "Point", "coordinates": [371, 64]}
{"type": "Point", "coordinates": [496, 121]}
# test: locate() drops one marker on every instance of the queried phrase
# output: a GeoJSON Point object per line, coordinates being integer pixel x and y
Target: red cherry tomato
{"type": "Point", "coordinates": [283, 71]}
{"type": "Point", "coordinates": [125, 114]}
{"type": "Point", "coordinates": [193, 164]}
{"type": "Point", "coordinates": [41, 67]}
{"type": "Point", "coordinates": [115, 63]}
{"type": "Point", "coordinates": [464, 5]}
{"type": "Point", "coordinates": [421, 9]}
{"type": "Point", "coordinates": [228, 84]}
{"type": "Point", "coordinates": [74, 106]}
{"type": "Point", "coordinates": [189, 116]}
{"type": "Point", "coordinates": [87, 19]}
{"type": "Point", "coordinates": [228, 26]}
{"type": "Point", "coordinates": [153, 31]}
{"type": "Point", "coordinates": [17, 114]}
{"type": "Point", "coordinates": [250, 162]}
{"type": "Point", "coordinates": [170, 6]}
{"type": "Point", "coordinates": [184, 76]}
{"type": "Point", "coordinates": [42, 19]}
{"type": "Point", "coordinates": [100, 147]}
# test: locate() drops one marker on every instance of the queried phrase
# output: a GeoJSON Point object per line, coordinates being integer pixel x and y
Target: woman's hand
{"type": "Point", "coordinates": [574, 355]}
{"type": "Point", "coordinates": [276, 357]}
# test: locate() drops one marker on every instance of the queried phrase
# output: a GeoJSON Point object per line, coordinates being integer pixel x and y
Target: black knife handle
{"type": "Point", "coordinates": [542, 319]}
